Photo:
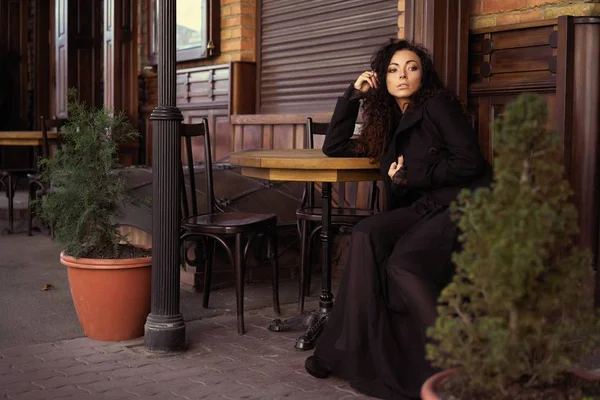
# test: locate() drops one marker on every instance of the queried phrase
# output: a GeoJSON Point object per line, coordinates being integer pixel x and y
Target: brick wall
{"type": "Point", "coordinates": [238, 31]}
{"type": "Point", "coordinates": [401, 10]}
{"type": "Point", "coordinates": [485, 13]}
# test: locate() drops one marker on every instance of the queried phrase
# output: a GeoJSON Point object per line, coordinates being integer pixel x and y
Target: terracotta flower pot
{"type": "Point", "coordinates": [111, 297]}
{"type": "Point", "coordinates": [428, 390]}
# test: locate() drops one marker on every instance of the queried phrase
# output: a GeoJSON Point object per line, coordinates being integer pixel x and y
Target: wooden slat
{"type": "Point", "coordinates": [312, 50]}
{"type": "Point", "coordinates": [278, 119]}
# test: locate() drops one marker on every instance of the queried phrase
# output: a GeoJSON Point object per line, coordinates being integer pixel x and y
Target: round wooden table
{"type": "Point", "coordinates": [308, 165]}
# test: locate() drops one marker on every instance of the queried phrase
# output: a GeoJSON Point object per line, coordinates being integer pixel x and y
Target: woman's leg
{"type": "Point", "coordinates": [417, 269]}
{"type": "Point", "coordinates": [356, 319]}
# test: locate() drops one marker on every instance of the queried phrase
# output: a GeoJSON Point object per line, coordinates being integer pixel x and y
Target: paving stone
{"type": "Point", "coordinates": [104, 357]}
{"type": "Point", "coordinates": [33, 350]}
{"type": "Point", "coordinates": [60, 381]}
{"type": "Point", "coordinates": [112, 394]}
{"type": "Point", "coordinates": [57, 364]}
{"type": "Point", "coordinates": [59, 354]}
{"type": "Point", "coordinates": [264, 380]}
{"type": "Point", "coordinates": [166, 376]}
{"type": "Point", "coordinates": [6, 380]}
{"type": "Point", "coordinates": [108, 384]}
{"type": "Point", "coordinates": [153, 388]}
{"type": "Point", "coordinates": [46, 394]}
{"type": "Point", "coordinates": [6, 368]}
{"type": "Point", "coordinates": [149, 369]}
{"type": "Point", "coordinates": [136, 362]}
{"type": "Point", "coordinates": [87, 368]}
{"type": "Point", "coordinates": [19, 387]}
{"type": "Point", "coordinates": [79, 343]}
{"type": "Point", "coordinates": [16, 361]}
{"type": "Point", "coordinates": [201, 392]}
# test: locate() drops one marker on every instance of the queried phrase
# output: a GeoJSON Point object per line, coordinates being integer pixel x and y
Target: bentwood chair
{"type": "Point", "coordinates": [216, 226]}
{"type": "Point", "coordinates": [8, 184]}
{"type": "Point", "coordinates": [309, 215]}
{"type": "Point", "coordinates": [37, 187]}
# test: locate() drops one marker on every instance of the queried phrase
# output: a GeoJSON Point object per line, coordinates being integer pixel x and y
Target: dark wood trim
{"type": "Point", "coordinates": [42, 61]}
{"type": "Point", "coordinates": [512, 27]}
{"type": "Point", "coordinates": [258, 53]}
{"type": "Point", "coordinates": [442, 26]}
{"type": "Point", "coordinates": [511, 88]}
{"type": "Point", "coordinates": [204, 106]}
{"type": "Point", "coordinates": [278, 119]}
{"type": "Point", "coordinates": [564, 83]}
{"type": "Point", "coordinates": [242, 90]}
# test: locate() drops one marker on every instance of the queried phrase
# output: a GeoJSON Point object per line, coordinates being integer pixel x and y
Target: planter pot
{"type": "Point", "coordinates": [428, 390]}
{"type": "Point", "coordinates": [111, 297]}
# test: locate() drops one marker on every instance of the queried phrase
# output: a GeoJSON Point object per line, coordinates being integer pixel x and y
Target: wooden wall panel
{"type": "Point", "coordinates": [558, 59]}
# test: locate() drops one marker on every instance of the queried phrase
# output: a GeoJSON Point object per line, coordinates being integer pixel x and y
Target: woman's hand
{"type": "Point", "coordinates": [366, 81]}
{"type": "Point", "coordinates": [395, 166]}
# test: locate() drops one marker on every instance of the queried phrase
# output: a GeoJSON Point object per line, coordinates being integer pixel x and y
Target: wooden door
{"type": "Point", "coordinates": [78, 52]}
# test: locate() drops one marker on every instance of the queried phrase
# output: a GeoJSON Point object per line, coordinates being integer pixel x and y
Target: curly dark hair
{"type": "Point", "coordinates": [380, 110]}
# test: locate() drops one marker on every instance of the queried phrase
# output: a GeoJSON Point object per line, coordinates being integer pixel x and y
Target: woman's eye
{"type": "Point", "coordinates": [392, 70]}
{"type": "Point", "coordinates": [413, 68]}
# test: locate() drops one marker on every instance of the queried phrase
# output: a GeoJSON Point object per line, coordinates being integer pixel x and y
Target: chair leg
{"type": "Point", "coordinates": [304, 265]}
{"type": "Point", "coordinates": [274, 255]}
{"type": "Point", "coordinates": [209, 247]}
{"type": "Point", "coordinates": [11, 198]}
{"type": "Point", "coordinates": [239, 283]}
{"type": "Point", "coordinates": [30, 208]}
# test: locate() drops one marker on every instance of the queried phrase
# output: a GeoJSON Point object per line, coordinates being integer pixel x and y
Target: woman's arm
{"type": "Point", "coordinates": [338, 142]}
{"type": "Point", "coordinates": [463, 164]}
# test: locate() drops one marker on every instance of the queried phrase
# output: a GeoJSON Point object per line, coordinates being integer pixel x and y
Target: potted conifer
{"type": "Point", "coordinates": [108, 277]}
{"type": "Point", "coordinates": [519, 313]}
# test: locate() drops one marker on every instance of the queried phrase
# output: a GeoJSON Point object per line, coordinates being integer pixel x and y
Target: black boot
{"type": "Point", "coordinates": [315, 368]}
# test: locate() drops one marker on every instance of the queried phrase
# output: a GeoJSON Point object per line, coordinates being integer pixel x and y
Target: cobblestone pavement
{"type": "Point", "coordinates": [218, 364]}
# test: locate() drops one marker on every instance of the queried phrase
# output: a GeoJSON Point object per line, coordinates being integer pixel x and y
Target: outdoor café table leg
{"type": "Point", "coordinates": [316, 320]}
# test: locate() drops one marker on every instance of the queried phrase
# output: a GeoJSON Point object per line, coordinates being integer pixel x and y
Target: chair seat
{"type": "Point", "coordinates": [34, 177]}
{"type": "Point", "coordinates": [338, 214]}
{"type": "Point", "coordinates": [227, 222]}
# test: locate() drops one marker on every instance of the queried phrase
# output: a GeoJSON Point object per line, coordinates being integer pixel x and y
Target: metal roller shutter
{"type": "Point", "coordinates": [312, 50]}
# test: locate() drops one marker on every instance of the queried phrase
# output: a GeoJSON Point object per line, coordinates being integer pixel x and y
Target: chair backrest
{"type": "Point", "coordinates": [343, 192]}
{"type": "Point", "coordinates": [190, 204]}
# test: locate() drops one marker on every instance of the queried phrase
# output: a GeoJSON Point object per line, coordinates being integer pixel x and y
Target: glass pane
{"type": "Point", "coordinates": [189, 24]}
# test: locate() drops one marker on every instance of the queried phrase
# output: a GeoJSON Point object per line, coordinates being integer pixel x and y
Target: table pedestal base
{"type": "Point", "coordinates": [314, 322]}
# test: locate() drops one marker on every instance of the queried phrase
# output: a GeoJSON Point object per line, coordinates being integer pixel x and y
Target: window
{"type": "Point", "coordinates": [197, 29]}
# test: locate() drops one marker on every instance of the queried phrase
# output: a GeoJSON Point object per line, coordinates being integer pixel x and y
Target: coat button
{"type": "Point", "coordinates": [432, 150]}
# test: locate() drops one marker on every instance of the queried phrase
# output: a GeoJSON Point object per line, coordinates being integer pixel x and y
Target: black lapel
{"type": "Point", "coordinates": [409, 119]}
{"type": "Point", "coordinates": [412, 116]}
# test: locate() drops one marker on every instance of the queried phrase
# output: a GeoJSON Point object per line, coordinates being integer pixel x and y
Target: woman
{"type": "Point", "coordinates": [400, 259]}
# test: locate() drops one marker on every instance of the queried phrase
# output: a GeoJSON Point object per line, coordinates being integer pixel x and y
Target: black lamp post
{"type": "Point", "coordinates": [165, 328]}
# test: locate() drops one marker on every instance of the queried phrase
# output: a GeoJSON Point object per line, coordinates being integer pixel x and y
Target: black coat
{"type": "Point", "coordinates": [440, 149]}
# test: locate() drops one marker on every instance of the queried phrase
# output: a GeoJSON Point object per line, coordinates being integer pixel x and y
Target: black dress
{"type": "Point", "coordinates": [400, 260]}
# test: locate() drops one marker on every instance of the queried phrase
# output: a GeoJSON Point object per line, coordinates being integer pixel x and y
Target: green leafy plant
{"type": "Point", "coordinates": [519, 310]}
{"type": "Point", "coordinates": [87, 185]}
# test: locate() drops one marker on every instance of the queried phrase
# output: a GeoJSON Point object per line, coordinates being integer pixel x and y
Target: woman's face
{"type": "Point", "coordinates": [403, 77]}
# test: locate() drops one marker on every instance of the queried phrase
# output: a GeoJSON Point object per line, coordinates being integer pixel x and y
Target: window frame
{"type": "Point", "coordinates": [210, 11]}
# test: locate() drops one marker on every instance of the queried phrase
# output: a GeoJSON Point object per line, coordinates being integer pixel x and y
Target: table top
{"type": "Point", "coordinates": [24, 138]}
{"type": "Point", "coordinates": [304, 165]}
